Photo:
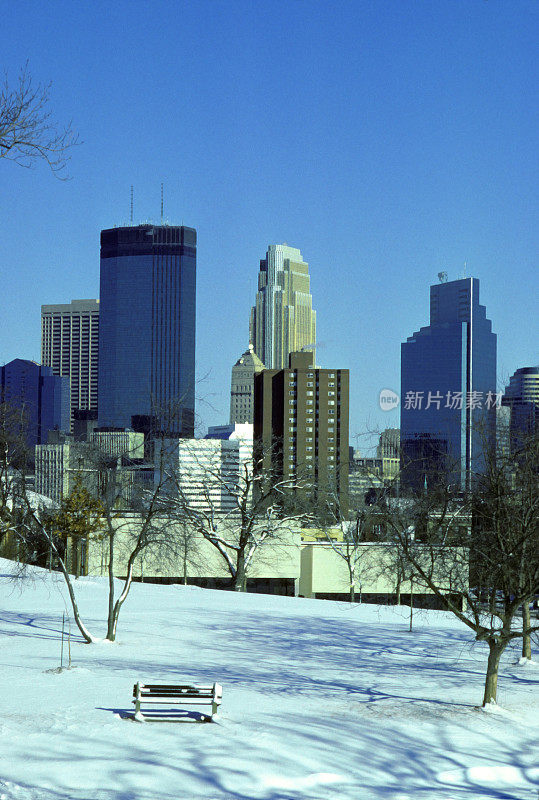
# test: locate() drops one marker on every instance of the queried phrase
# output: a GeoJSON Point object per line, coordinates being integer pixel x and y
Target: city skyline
{"type": "Point", "coordinates": [409, 148]}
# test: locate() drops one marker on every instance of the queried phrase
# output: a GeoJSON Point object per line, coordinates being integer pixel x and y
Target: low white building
{"type": "Point", "coordinates": [208, 474]}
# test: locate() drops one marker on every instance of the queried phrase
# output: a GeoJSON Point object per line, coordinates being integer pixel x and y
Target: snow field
{"type": "Point", "coordinates": [321, 701]}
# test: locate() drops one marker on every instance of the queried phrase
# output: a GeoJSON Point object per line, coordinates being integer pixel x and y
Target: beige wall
{"type": "Point", "coordinates": [323, 571]}
{"type": "Point", "coordinates": [319, 569]}
{"type": "Point", "coordinates": [165, 559]}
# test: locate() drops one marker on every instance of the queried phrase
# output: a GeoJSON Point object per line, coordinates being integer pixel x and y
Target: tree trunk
{"type": "Point", "coordinates": [526, 640]}
{"type": "Point", "coordinates": [491, 680]}
{"type": "Point", "coordinates": [113, 618]}
{"type": "Point", "coordinates": [86, 635]}
{"type": "Point", "coordinates": [411, 603]}
{"type": "Point", "coordinates": [352, 586]}
{"type": "Point", "coordinates": [240, 578]}
{"type": "Point", "coordinates": [111, 624]}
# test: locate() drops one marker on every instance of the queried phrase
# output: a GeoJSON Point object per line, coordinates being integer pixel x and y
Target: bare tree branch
{"type": "Point", "coordinates": [28, 132]}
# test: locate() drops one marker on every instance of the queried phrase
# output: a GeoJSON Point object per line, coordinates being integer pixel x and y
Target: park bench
{"type": "Point", "coordinates": [175, 695]}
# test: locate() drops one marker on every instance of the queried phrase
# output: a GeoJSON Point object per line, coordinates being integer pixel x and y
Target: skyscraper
{"type": "Point", "coordinates": [301, 428]}
{"type": "Point", "coordinates": [147, 328]}
{"type": "Point", "coordinates": [242, 386]}
{"type": "Point", "coordinates": [41, 399]}
{"type": "Point", "coordinates": [282, 319]}
{"type": "Point", "coordinates": [70, 346]}
{"type": "Point", "coordinates": [448, 389]}
{"type": "Point", "coordinates": [522, 398]}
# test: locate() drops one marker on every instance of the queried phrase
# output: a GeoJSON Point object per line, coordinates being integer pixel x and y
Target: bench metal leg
{"type": "Point", "coordinates": [138, 715]}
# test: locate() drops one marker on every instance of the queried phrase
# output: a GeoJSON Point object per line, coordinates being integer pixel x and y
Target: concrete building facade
{"type": "Point", "coordinates": [242, 387]}
{"type": "Point", "coordinates": [208, 473]}
{"type": "Point", "coordinates": [70, 346]}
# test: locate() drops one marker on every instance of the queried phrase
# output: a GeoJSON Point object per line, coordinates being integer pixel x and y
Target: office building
{"type": "Point", "coordinates": [522, 398]}
{"type": "Point", "coordinates": [124, 444]}
{"type": "Point", "coordinates": [209, 474]}
{"type": "Point", "coordinates": [282, 319]}
{"type": "Point", "coordinates": [389, 443]}
{"type": "Point", "coordinates": [70, 346]}
{"type": "Point", "coordinates": [301, 429]}
{"type": "Point", "coordinates": [40, 398]}
{"type": "Point", "coordinates": [448, 390]}
{"type": "Point", "coordinates": [117, 453]}
{"type": "Point", "coordinates": [147, 329]}
{"type": "Point", "coordinates": [242, 387]}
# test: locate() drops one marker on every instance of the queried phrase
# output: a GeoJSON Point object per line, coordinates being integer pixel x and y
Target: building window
{"type": "Point", "coordinates": [310, 394]}
{"type": "Point", "coordinates": [331, 394]}
{"type": "Point", "coordinates": [331, 375]}
{"type": "Point", "coordinates": [310, 430]}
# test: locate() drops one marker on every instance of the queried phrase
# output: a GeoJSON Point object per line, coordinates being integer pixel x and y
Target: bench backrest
{"type": "Point", "coordinates": [173, 690]}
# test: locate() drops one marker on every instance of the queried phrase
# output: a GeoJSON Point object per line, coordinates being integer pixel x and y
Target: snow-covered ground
{"type": "Point", "coordinates": [321, 701]}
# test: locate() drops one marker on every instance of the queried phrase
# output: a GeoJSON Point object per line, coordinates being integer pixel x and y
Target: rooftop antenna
{"type": "Point", "coordinates": [131, 204]}
{"type": "Point", "coordinates": [442, 277]}
{"type": "Point", "coordinates": [161, 204]}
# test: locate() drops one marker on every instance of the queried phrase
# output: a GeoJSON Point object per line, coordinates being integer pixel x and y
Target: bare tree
{"type": "Point", "coordinates": [488, 538]}
{"type": "Point", "coordinates": [236, 510]}
{"type": "Point", "coordinates": [102, 510]}
{"type": "Point", "coordinates": [28, 132]}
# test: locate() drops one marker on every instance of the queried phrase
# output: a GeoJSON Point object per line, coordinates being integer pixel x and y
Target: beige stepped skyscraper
{"type": "Point", "coordinates": [283, 320]}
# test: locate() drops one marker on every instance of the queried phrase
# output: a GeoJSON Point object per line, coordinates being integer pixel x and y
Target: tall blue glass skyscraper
{"type": "Point", "coordinates": [147, 329]}
{"type": "Point", "coordinates": [448, 389]}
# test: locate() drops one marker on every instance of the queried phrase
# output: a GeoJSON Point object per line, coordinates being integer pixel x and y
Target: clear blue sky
{"type": "Point", "coordinates": [388, 140]}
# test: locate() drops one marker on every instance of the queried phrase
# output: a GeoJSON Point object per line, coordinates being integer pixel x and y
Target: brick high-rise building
{"type": "Point", "coordinates": [301, 428]}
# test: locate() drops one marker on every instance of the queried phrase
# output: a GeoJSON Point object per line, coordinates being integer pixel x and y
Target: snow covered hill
{"type": "Point", "coordinates": [321, 701]}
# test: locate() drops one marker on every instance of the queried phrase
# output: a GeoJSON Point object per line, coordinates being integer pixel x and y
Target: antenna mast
{"type": "Point", "coordinates": [161, 204]}
{"type": "Point", "coordinates": [131, 204]}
